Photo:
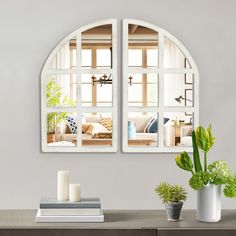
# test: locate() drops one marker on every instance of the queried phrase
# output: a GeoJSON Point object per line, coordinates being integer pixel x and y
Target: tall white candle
{"type": "Point", "coordinates": [63, 185]}
{"type": "Point", "coordinates": [74, 192]}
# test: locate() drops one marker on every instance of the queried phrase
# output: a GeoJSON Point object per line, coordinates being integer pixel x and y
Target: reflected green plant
{"type": "Point", "coordinates": [54, 99]}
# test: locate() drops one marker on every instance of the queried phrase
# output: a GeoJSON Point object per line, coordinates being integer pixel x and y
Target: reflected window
{"type": "Point", "coordinates": [61, 90]}
{"type": "Point", "coordinates": [74, 91]}
{"type": "Point", "coordinates": [161, 102]}
{"type": "Point", "coordinates": [99, 127]}
{"type": "Point", "coordinates": [178, 131]}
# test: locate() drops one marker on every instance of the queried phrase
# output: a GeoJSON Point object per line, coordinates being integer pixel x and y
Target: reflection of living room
{"type": "Point", "coordinates": [96, 53]}
{"type": "Point", "coordinates": [95, 90]}
{"type": "Point", "coordinates": [143, 129]}
{"type": "Point", "coordinates": [96, 129]}
{"type": "Point", "coordinates": [144, 91]}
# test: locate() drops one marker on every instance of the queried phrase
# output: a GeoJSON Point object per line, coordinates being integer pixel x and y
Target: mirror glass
{"type": "Point", "coordinates": [97, 54]}
{"type": "Point", "coordinates": [65, 58]}
{"type": "Point", "coordinates": [142, 129]}
{"type": "Point", "coordinates": [142, 54]}
{"type": "Point", "coordinates": [61, 90]}
{"type": "Point", "coordinates": [61, 129]}
{"type": "Point", "coordinates": [178, 90]}
{"type": "Point", "coordinates": [142, 86]}
{"type": "Point", "coordinates": [160, 100]}
{"type": "Point", "coordinates": [143, 90]}
{"type": "Point", "coordinates": [94, 93]}
{"type": "Point", "coordinates": [173, 56]}
{"type": "Point", "coordinates": [76, 90]}
{"type": "Point", "coordinates": [178, 129]}
{"type": "Point", "coordinates": [97, 129]}
{"type": "Point", "coordinates": [97, 47]}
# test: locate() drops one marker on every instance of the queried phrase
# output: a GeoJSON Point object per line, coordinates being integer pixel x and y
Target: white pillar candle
{"type": "Point", "coordinates": [63, 185]}
{"type": "Point", "coordinates": [74, 192]}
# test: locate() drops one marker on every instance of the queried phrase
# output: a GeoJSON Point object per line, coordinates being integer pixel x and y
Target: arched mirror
{"type": "Point", "coordinates": [78, 92]}
{"type": "Point", "coordinates": [160, 90]}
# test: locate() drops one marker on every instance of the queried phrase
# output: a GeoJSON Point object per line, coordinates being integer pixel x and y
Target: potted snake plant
{"type": "Point", "coordinates": [173, 197]}
{"type": "Point", "coordinates": [207, 179]}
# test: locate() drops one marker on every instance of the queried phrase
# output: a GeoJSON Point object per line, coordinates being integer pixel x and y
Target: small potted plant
{"type": "Point", "coordinates": [173, 197]}
{"type": "Point", "coordinates": [55, 99]}
{"type": "Point", "coordinates": [207, 179]}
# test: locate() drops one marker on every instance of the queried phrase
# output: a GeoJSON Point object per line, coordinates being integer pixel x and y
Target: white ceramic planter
{"type": "Point", "coordinates": [209, 203]}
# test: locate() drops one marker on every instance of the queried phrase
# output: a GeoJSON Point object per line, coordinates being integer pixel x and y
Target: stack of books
{"type": "Point", "coordinates": [86, 210]}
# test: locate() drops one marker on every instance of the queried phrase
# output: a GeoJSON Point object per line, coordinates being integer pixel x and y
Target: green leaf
{"type": "Point", "coordinates": [171, 193]}
{"type": "Point", "coordinates": [184, 161]}
{"type": "Point", "coordinates": [196, 159]}
{"type": "Point", "coordinates": [220, 171]}
{"type": "Point", "coordinates": [55, 98]}
{"type": "Point", "coordinates": [230, 187]}
{"type": "Point", "coordinates": [199, 179]}
{"type": "Point", "coordinates": [204, 138]}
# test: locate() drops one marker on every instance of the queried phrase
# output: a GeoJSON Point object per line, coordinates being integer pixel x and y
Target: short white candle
{"type": "Point", "coordinates": [74, 192]}
{"type": "Point", "coordinates": [63, 185]}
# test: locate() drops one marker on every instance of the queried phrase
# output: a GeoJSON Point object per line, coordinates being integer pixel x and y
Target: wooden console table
{"type": "Point", "coordinates": [118, 223]}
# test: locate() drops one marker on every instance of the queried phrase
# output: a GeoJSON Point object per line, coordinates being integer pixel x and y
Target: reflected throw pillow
{"type": "Point", "coordinates": [72, 124]}
{"type": "Point", "coordinates": [87, 128]}
{"type": "Point", "coordinates": [107, 123]}
{"type": "Point", "coordinates": [97, 128]}
{"type": "Point", "coordinates": [152, 126]}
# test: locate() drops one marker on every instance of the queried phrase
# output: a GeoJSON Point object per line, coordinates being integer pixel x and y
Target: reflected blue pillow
{"type": "Point", "coordinates": [153, 126]}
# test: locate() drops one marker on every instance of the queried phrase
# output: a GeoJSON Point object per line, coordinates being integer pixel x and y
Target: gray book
{"type": "Point", "coordinates": [48, 203]}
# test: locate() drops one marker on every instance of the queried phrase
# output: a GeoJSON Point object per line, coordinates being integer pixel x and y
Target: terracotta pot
{"type": "Point", "coordinates": [51, 138]}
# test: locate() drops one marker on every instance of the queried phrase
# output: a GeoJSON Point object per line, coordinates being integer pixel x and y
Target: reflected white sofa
{"type": "Point", "coordinates": [140, 123]}
{"type": "Point", "coordinates": [63, 131]}
{"type": "Point", "coordinates": [186, 136]}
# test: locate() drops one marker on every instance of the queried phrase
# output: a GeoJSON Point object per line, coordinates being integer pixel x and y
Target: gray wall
{"type": "Point", "coordinates": [30, 29]}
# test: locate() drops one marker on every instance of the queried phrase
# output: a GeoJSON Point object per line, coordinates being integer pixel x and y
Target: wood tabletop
{"type": "Point", "coordinates": [114, 219]}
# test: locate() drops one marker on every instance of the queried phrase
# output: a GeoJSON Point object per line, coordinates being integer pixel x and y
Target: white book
{"type": "Point", "coordinates": [70, 212]}
{"type": "Point", "coordinates": [71, 219]}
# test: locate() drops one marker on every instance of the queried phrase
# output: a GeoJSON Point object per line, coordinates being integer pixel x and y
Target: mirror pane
{"type": "Point", "coordinates": [142, 129]}
{"type": "Point", "coordinates": [97, 47]}
{"type": "Point", "coordinates": [178, 129]}
{"type": "Point", "coordinates": [97, 129]}
{"type": "Point", "coordinates": [173, 56]}
{"type": "Point", "coordinates": [65, 57]}
{"type": "Point", "coordinates": [178, 90]}
{"type": "Point", "coordinates": [97, 90]}
{"type": "Point", "coordinates": [142, 47]}
{"type": "Point", "coordinates": [62, 129]}
{"type": "Point", "coordinates": [135, 57]}
{"type": "Point", "coordinates": [86, 58]}
{"type": "Point", "coordinates": [152, 57]}
{"type": "Point", "coordinates": [61, 90]}
{"type": "Point", "coordinates": [143, 90]}
{"type": "Point", "coordinates": [104, 58]}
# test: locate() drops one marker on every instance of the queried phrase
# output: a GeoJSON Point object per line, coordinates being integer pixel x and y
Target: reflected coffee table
{"type": "Point", "coordinates": [140, 141]}
{"type": "Point", "coordinates": [97, 142]}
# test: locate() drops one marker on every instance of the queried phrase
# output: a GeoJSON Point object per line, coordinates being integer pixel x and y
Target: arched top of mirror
{"type": "Point", "coordinates": [143, 29]}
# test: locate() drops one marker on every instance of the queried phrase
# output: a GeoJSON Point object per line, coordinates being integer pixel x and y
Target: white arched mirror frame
{"type": "Point", "coordinates": [79, 109]}
{"type": "Point", "coordinates": [161, 108]}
